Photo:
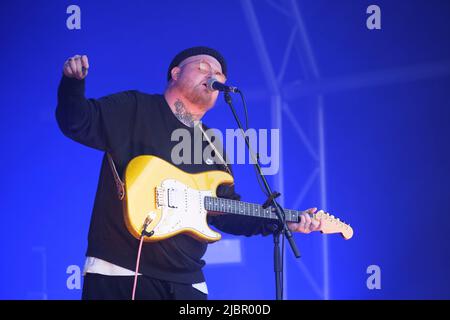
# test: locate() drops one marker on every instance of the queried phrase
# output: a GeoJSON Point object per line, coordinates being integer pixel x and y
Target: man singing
{"type": "Point", "coordinates": [131, 123]}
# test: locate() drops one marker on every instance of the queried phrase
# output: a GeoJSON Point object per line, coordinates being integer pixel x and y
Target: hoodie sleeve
{"type": "Point", "coordinates": [237, 224]}
{"type": "Point", "coordinates": [103, 123]}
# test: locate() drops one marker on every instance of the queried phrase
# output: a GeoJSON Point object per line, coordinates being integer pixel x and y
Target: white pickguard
{"type": "Point", "coordinates": [182, 208]}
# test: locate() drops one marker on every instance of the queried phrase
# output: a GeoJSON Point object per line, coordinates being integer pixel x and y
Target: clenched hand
{"type": "Point", "coordinates": [76, 67]}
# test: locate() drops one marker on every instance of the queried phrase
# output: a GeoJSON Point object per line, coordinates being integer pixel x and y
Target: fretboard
{"type": "Point", "coordinates": [246, 208]}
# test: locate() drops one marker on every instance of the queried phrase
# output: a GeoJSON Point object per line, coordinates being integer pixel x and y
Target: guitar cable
{"type": "Point", "coordinates": [144, 233]}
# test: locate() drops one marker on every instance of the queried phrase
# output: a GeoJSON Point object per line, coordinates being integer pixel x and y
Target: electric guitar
{"type": "Point", "coordinates": [162, 201]}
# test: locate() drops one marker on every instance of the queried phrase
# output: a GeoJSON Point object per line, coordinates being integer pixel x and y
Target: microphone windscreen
{"type": "Point", "coordinates": [210, 83]}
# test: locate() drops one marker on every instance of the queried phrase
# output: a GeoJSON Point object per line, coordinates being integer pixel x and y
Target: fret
{"type": "Point", "coordinates": [271, 214]}
{"type": "Point", "coordinates": [295, 215]}
{"type": "Point", "coordinates": [287, 214]}
{"type": "Point", "coordinates": [291, 215]}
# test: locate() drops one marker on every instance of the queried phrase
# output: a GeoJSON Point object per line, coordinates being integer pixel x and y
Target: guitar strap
{"type": "Point", "coordinates": [224, 163]}
{"type": "Point", "coordinates": [120, 186]}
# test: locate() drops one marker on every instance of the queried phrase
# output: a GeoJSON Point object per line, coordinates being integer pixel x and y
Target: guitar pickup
{"type": "Point", "coordinates": [171, 194]}
{"type": "Point", "coordinates": [172, 199]}
{"type": "Point", "coordinates": [167, 197]}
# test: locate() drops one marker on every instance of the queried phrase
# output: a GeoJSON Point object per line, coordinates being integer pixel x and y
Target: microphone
{"type": "Point", "coordinates": [213, 84]}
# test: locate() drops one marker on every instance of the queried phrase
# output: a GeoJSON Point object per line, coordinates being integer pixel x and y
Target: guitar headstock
{"type": "Point", "coordinates": [331, 224]}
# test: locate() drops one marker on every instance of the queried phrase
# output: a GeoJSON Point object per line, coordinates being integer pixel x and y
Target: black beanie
{"type": "Point", "coordinates": [195, 51]}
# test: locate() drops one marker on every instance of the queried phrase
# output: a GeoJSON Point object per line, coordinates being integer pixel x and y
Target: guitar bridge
{"type": "Point", "coordinates": [159, 196]}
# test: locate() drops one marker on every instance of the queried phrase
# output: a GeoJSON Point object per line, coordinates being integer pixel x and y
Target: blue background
{"type": "Point", "coordinates": [386, 112]}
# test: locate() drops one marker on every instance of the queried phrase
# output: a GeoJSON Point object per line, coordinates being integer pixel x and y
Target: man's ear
{"type": "Point", "coordinates": [175, 73]}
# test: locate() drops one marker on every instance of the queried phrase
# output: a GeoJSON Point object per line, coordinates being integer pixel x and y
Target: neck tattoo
{"type": "Point", "coordinates": [183, 114]}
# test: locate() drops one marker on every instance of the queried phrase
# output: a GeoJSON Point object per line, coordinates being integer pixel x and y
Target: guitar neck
{"type": "Point", "coordinates": [246, 209]}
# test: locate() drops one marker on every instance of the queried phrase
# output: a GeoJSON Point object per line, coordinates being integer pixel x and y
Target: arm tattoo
{"type": "Point", "coordinates": [182, 114]}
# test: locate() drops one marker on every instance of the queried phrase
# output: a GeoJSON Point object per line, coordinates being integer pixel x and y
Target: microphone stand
{"type": "Point", "coordinates": [281, 227]}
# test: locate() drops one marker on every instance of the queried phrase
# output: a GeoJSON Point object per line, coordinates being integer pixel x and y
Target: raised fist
{"type": "Point", "coordinates": [76, 67]}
